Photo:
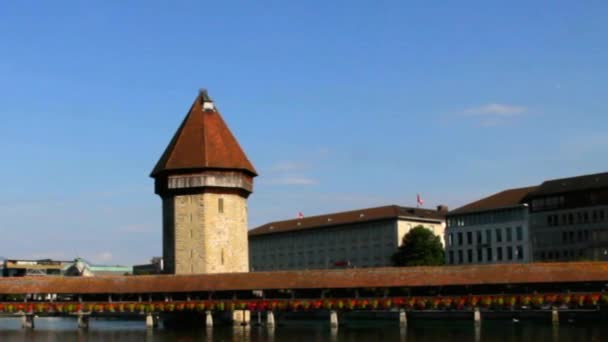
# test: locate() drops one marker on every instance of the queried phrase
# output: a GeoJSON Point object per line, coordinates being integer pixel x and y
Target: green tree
{"type": "Point", "coordinates": [419, 247]}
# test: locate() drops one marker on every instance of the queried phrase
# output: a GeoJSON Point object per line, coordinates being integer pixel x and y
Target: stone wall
{"type": "Point", "coordinates": [210, 234]}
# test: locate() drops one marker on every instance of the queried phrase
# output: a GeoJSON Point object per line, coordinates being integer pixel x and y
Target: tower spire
{"type": "Point", "coordinates": [206, 101]}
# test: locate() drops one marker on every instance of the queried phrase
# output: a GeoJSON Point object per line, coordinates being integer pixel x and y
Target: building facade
{"type": "Point", "coordinates": [359, 238]}
{"type": "Point", "coordinates": [204, 179]}
{"type": "Point", "coordinates": [569, 219]}
{"type": "Point", "coordinates": [494, 229]}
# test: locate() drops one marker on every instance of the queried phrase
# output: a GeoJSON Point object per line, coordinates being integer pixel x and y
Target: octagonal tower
{"type": "Point", "coordinates": [204, 179]}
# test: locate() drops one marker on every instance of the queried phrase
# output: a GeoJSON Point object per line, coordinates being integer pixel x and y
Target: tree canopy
{"type": "Point", "coordinates": [419, 247]}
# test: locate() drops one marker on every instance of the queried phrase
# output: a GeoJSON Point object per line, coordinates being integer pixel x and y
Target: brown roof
{"type": "Point", "coordinates": [506, 198]}
{"type": "Point", "coordinates": [203, 141]}
{"type": "Point", "coordinates": [351, 278]}
{"type": "Point", "coordinates": [354, 216]}
{"type": "Point", "coordinates": [578, 183]}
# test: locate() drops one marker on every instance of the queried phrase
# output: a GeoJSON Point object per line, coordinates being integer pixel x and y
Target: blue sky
{"type": "Point", "coordinates": [340, 105]}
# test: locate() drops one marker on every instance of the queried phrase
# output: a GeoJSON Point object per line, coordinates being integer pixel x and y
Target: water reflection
{"type": "Point", "coordinates": [65, 330]}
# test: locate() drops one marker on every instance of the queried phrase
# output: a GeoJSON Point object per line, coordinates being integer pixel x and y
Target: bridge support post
{"type": "Point", "coordinates": [246, 317]}
{"type": "Point", "coordinates": [237, 317]}
{"type": "Point", "coordinates": [83, 321]}
{"type": "Point", "coordinates": [270, 319]}
{"type": "Point", "coordinates": [554, 315]}
{"type": "Point", "coordinates": [241, 317]}
{"type": "Point", "coordinates": [27, 321]}
{"type": "Point", "coordinates": [402, 318]}
{"type": "Point", "coordinates": [477, 316]}
{"type": "Point", "coordinates": [208, 319]}
{"type": "Point", "coordinates": [151, 321]}
{"type": "Point", "coordinates": [333, 319]}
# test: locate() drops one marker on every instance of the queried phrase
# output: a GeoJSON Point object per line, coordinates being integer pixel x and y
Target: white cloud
{"type": "Point", "coordinates": [285, 166]}
{"type": "Point", "coordinates": [103, 257]}
{"type": "Point", "coordinates": [496, 110]}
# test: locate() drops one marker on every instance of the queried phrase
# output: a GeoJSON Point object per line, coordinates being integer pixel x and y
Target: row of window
{"type": "Point", "coordinates": [258, 251]}
{"type": "Point", "coordinates": [519, 235]}
{"type": "Point", "coordinates": [570, 254]}
{"type": "Point", "coordinates": [477, 256]}
{"type": "Point", "coordinates": [574, 237]}
{"type": "Point", "coordinates": [576, 218]}
{"type": "Point", "coordinates": [551, 202]}
{"type": "Point", "coordinates": [307, 239]}
{"type": "Point", "coordinates": [492, 217]}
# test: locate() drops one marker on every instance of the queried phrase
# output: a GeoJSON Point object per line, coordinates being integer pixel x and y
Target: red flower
{"type": "Point", "coordinates": [461, 303]}
{"type": "Point", "coordinates": [386, 303]}
{"type": "Point", "coordinates": [579, 299]}
{"type": "Point", "coordinates": [472, 301]}
{"type": "Point", "coordinates": [251, 305]}
{"type": "Point", "coordinates": [593, 299]}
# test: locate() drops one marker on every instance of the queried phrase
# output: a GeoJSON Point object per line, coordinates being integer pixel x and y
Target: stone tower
{"type": "Point", "coordinates": [204, 179]}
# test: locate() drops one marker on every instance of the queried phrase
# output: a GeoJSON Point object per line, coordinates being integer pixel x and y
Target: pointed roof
{"type": "Point", "coordinates": [203, 141]}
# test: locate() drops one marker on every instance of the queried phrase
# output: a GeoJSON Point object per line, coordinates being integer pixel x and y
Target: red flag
{"type": "Point", "coordinates": [419, 200]}
{"type": "Point", "coordinates": [300, 215]}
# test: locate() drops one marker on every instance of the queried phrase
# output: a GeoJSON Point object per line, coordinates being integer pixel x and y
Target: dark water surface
{"type": "Point", "coordinates": [64, 330]}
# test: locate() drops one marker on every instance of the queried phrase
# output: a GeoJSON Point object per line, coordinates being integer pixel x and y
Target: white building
{"type": "Point", "coordinates": [494, 229]}
{"type": "Point", "coordinates": [358, 238]}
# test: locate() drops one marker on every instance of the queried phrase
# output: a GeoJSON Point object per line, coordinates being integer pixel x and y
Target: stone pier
{"type": "Point", "coordinates": [83, 321]}
{"type": "Point", "coordinates": [554, 315]}
{"type": "Point", "coordinates": [241, 317]}
{"type": "Point", "coordinates": [27, 321]}
{"type": "Point", "coordinates": [477, 316]}
{"type": "Point", "coordinates": [208, 319]}
{"type": "Point", "coordinates": [270, 319]}
{"type": "Point", "coordinates": [333, 319]}
{"type": "Point", "coordinates": [151, 321]}
{"type": "Point", "coordinates": [402, 318]}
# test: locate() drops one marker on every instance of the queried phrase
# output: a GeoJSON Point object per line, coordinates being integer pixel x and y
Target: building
{"type": "Point", "coordinates": [358, 238]}
{"type": "Point", "coordinates": [154, 267]}
{"type": "Point", "coordinates": [569, 219]}
{"type": "Point", "coordinates": [491, 230]}
{"type": "Point", "coordinates": [44, 267]}
{"type": "Point", "coordinates": [204, 179]}
{"type": "Point", "coordinates": [82, 268]}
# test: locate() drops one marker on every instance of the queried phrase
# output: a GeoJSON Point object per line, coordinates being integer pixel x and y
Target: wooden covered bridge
{"type": "Point", "coordinates": [466, 290]}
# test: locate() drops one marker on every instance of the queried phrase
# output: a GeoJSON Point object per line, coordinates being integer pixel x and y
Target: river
{"type": "Point", "coordinates": [64, 330]}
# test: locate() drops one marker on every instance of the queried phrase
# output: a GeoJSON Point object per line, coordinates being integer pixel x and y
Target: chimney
{"type": "Point", "coordinates": [442, 208]}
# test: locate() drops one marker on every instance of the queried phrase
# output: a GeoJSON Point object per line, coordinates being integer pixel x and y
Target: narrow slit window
{"type": "Point", "coordinates": [220, 205]}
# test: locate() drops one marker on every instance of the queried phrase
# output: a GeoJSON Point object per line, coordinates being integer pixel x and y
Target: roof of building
{"type": "Point", "coordinates": [506, 198]}
{"type": "Point", "coordinates": [347, 217]}
{"type": "Point", "coordinates": [496, 274]}
{"type": "Point", "coordinates": [578, 183]}
{"type": "Point", "coordinates": [203, 141]}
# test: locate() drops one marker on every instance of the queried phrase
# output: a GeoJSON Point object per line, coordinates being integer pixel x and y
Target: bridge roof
{"type": "Point", "coordinates": [350, 278]}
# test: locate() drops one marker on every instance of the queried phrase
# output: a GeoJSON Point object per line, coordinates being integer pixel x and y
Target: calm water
{"type": "Point", "coordinates": [64, 330]}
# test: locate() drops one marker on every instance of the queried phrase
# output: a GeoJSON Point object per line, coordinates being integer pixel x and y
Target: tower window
{"type": "Point", "coordinates": [220, 205]}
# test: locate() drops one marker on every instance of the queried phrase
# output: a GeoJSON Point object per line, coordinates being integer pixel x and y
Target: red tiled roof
{"type": "Point", "coordinates": [203, 141]}
{"type": "Point", "coordinates": [571, 184]}
{"type": "Point", "coordinates": [353, 216]}
{"type": "Point", "coordinates": [502, 199]}
{"type": "Point", "coordinates": [351, 278]}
